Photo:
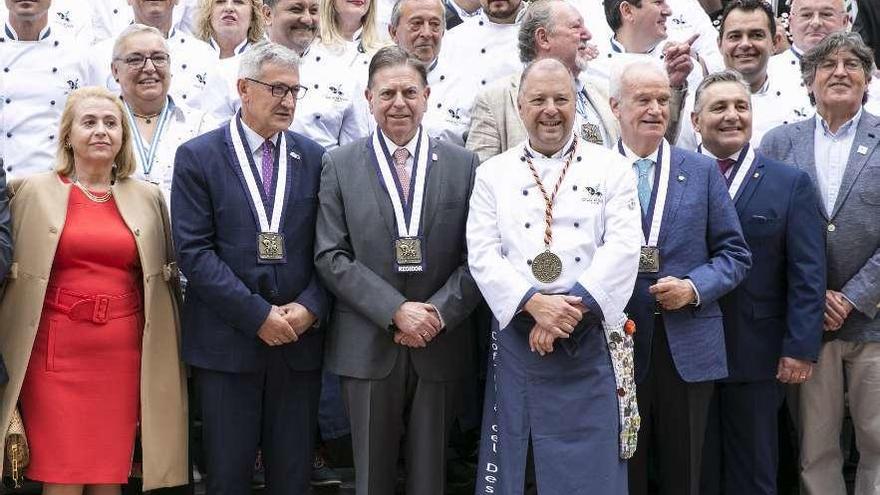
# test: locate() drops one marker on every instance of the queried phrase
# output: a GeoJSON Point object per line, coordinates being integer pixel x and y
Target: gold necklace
{"type": "Point", "coordinates": [103, 198]}
{"type": "Point", "coordinates": [146, 118]}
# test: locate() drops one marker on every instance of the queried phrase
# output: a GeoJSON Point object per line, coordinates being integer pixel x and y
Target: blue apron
{"type": "Point", "coordinates": [566, 400]}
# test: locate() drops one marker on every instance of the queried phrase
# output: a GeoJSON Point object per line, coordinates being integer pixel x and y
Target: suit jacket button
{"type": "Point", "coordinates": [831, 227]}
{"type": "Point", "coordinates": [53, 230]}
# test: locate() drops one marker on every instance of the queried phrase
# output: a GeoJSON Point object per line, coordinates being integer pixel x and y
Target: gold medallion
{"type": "Point", "coordinates": [546, 267]}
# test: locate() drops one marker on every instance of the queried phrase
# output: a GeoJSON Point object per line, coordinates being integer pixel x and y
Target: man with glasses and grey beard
{"type": "Point", "coordinates": [243, 206]}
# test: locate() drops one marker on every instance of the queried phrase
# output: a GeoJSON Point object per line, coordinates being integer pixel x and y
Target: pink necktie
{"type": "Point", "coordinates": [400, 157]}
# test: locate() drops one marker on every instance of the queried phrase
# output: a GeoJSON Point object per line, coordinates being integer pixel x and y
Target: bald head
{"type": "Point", "coordinates": [813, 20]}
{"type": "Point", "coordinates": [547, 104]}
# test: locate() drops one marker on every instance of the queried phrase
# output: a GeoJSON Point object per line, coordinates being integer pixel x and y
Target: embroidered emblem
{"type": "Point", "coordinates": [592, 195]}
{"type": "Point", "coordinates": [65, 17]}
{"type": "Point", "coordinates": [454, 113]}
{"type": "Point", "coordinates": [202, 78]}
{"type": "Point", "coordinates": [73, 84]}
{"type": "Point", "coordinates": [335, 94]}
{"type": "Point", "coordinates": [591, 133]}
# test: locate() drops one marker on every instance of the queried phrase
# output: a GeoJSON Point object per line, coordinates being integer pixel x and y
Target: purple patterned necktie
{"type": "Point", "coordinates": [268, 166]}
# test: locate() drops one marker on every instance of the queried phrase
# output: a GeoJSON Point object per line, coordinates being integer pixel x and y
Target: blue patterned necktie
{"type": "Point", "coordinates": [643, 167]}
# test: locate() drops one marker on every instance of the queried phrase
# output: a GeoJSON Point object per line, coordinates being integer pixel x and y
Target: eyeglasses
{"type": "Point", "coordinates": [281, 90]}
{"type": "Point", "coordinates": [137, 62]}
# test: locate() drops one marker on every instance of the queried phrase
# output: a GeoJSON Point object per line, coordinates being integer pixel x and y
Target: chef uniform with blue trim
{"type": "Point", "coordinates": [334, 77]}
{"type": "Point", "coordinates": [577, 404]}
{"type": "Point", "coordinates": [177, 124]}
{"type": "Point", "coordinates": [36, 78]}
{"type": "Point", "coordinates": [474, 54]}
{"type": "Point", "coordinates": [195, 80]}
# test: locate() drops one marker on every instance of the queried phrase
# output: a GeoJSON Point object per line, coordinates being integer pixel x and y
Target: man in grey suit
{"type": "Point", "coordinates": [549, 29]}
{"type": "Point", "coordinates": [840, 150]}
{"type": "Point", "coordinates": [390, 244]}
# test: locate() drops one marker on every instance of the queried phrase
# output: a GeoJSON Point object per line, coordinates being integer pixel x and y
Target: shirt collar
{"type": "Point", "coordinates": [12, 35]}
{"type": "Point", "coordinates": [410, 146]}
{"type": "Point", "coordinates": [798, 53]}
{"type": "Point", "coordinates": [735, 157]}
{"type": "Point", "coordinates": [619, 48]}
{"type": "Point", "coordinates": [238, 49]}
{"type": "Point", "coordinates": [254, 140]}
{"type": "Point", "coordinates": [846, 129]}
{"type": "Point", "coordinates": [632, 156]}
{"type": "Point", "coordinates": [764, 87]}
{"type": "Point", "coordinates": [557, 155]}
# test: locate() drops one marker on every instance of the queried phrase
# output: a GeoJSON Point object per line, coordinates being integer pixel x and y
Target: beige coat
{"type": "Point", "coordinates": [39, 207]}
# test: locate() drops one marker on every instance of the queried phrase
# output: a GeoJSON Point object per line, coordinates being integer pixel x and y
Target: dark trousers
{"type": "Point", "coordinates": [673, 425]}
{"type": "Point", "coordinates": [740, 455]}
{"type": "Point", "coordinates": [275, 409]}
{"type": "Point", "coordinates": [400, 406]}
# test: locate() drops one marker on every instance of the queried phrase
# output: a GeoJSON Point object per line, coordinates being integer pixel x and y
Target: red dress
{"type": "Point", "coordinates": [80, 401]}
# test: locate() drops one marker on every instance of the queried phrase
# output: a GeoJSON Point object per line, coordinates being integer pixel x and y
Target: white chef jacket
{"type": "Point", "coordinates": [35, 79]}
{"type": "Point", "coordinates": [195, 80]}
{"type": "Point", "coordinates": [184, 123]}
{"type": "Point", "coordinates": [597, 229]}
{"type": "Point", "coordinates": [334, 77]}
{"type": "Point", "coordinates": [110, 17]}
{"type": "Point", "coordinates": [777, 103]}
{"type": "Point", "coordinates": [68, 18]}
{"type": "Point", "coordinates": [473, 56]}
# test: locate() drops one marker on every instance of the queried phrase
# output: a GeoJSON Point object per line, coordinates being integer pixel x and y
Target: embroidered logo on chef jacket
{"type": "Point", "coordinates": [202, 78]}
{"type": "Point", "coordinates": [64, 18]}
{"type": "Point", "coordinates": [592, 195]}
{"type": "Point", "coordinates": [72, 85]}
{"type": "Point", "coordinates": [335, 94]}
{"type": "Point", "coordinates": [680, 21]}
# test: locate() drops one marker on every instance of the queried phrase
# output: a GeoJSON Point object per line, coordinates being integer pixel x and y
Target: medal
{"type": "Point", "coordinates": [270, 246]}
{"type": "Point", "coordinates": [146, 159]}
{"type": "Point", "coordinates": [591, 133]}
{"type": "Point", "coordinates": [270, 243]}
{"type": "Point", "coordinates": [547, 266]}
{"type": "Point", "coordinates": [408, 254]}
{"type": "Point", "coordinates": [649, 259]}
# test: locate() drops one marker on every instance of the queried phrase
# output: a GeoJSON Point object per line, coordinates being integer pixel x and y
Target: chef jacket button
{"type": "Point", "coordinates": [483, 50]}
{"type": "Point", "coordinates": [317, 59]}
{"type": "Point", "coordinates": [54, 70]}
{"type": "Point", "coordinates": [442, 77]}
{"type": "Point", "coordinates": [52, 102]}
{"type": "Point", "coordinates": [577, 225]}
{"type": "Point", "coordinates": [183, 96]}
{"type": "Point", "coordinates": [9, 168]}
{"type": "Point", "coordinates": [318, 116]}
{"type": "Point", "coordinates": [784, 122]}
{"type": "Point", "coordinates": [483, 82]}
{"type": "Point", "coordinates": [115, 11]}
{"type": "Point", "coordinates": [6, 69]}
{"type": "Point", "coordinates": [610, 55]}
{"type": "Point", "coordinates": [439, 105]}
{"type": "Point", "coordinates": [56, 42]}
{"type": "Point", "coordinates": [182, 40]}
{"type": "Point", "coordinates": [528, 225]}
{"type": "Point", "coordinates": [9, 134]}
{"type": "Point", "coordinates": [51, 137]}
{"type": "Point", "coordinates": [525, 193]}
{"type": "Point", "coordinates": [8, 100]}
{"type": "Point", "coordinates": [2, 40]}
{"type": "Point", "coordinates": [779, 93]}
{"type": "Point", "coordinates": [481, 23]}
{"type": "Point", "coordinates": [529, 262]}
{"type": "Point", "coordinates": [316, 86]}
{"type": "Point", "coordinates": [794, 62]}
{"type": "Point", "coordinates": [577, 259]}
{"type": "Point", "coordinates": [53, 230]}
{"type": "Point", "coordinates": [574, 188]}
{"type": "Point", "coordinates": [183, 66]}
{"type": "Point", "coordinates": [579, 158]}
{"type": "Point", "coordinates": [831, 227]}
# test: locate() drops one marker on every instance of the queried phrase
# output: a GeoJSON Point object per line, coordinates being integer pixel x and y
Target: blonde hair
{"type": "Point", "coordinates": [330, 34]}
{"type": "Point", "coordinates": [256, 28]}
{"type": "Point", "coordinates": [125, 161]}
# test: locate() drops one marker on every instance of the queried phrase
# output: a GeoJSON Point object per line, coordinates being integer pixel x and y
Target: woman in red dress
{"type": "Point", "coordinates": [83, 383]}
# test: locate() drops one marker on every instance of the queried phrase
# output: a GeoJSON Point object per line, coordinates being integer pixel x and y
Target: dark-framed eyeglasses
{"type": "Point", "coordinates": [280, 90]}
{"type": "Point", "coordinates": [137, 62]}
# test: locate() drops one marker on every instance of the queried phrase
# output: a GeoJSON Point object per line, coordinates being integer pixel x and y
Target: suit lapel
{"type": "Point", "coordinates": [677, 182]}
{"type": "Point", "coordinates": [752, 181]}
{"type": "Point", "coordinates": [866, 141]}
{"type": "Point", "coordinates": [232, 162]}
{"type": "Point", "coordinates": [433, 184]}
{"type": "Point", "coordinates": [57, 210]}
{"type": "Point", "coordinates": [383, 202]}
{"type": "Point", "coordinates": [293, 190]}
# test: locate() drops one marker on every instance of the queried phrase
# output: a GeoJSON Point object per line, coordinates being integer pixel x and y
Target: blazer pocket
{"type": "Point", "coordinates": [762, 226]}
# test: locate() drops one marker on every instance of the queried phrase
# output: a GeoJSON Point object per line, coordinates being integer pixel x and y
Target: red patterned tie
{"type": "Point", "coordinates": [400, 157]}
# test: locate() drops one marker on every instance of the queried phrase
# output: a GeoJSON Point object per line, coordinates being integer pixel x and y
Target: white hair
{"type": "Point", "coordinates": [266, 52]}
{"type": "Point", "coordinates": [134, 30]}
{"type": "Point", "coordinates": [620, 73]}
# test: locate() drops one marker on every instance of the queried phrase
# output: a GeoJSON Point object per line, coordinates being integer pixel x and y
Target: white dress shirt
{"type": "Point", "coordinates": [256, 143]}
{"type": "Point", "coordinates": [195, 81]}
{"type": "Point", "coordinates": [832, 154]}
{"type": "Point", "coordinates": [35, 79]}
{"type": "Point", "coordinates": [596, 228]}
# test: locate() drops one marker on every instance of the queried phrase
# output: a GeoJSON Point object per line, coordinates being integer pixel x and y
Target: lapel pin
{"type": "Point", "coordinates": [295, 155]}
{"type": "Point", "coordinates": [434, 156]}
{"type": "Point", "coordinates": [757, 174]}
{"type": "Point", "coordinates": [863, 150]}
{"type": "Point", "coordinates": [681, 178]}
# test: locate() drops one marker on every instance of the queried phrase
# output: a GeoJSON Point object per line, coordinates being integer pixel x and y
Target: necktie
{"type": "Point", "coordinates": [400, 156]}
{"type": "Point", "coordinates": [644, 186]}
{"type": "Point", "coordinates": [725, 164]}
{"type": "Point", "coordinates": [268, 167]}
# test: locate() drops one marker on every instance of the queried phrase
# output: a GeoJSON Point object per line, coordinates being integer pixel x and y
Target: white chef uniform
{"type": "Point", "coordinates": [110, 17]}
{"type": "Point", "coordinates": [35, 79]}
{"type": "Point", "coordinates": [195, 81]}
{"type": "Point", "coordinates": [69, 18]}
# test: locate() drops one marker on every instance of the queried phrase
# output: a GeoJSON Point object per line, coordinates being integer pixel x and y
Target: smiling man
{"type": "Point", "coordinates": [693, 252]}
{"type": "Point", "coordinates": [291, 23]}
{"type": "Point", "coordinates": [839, 149]}
{"type": "Point", "coordinates": [747, 40]}
{"type": "Point", "coordinates": [553, 243]}
{"type": "Point", "coordinates": [773, 320]}
{"type": "Point", "coordinates": [243, 207]}
{"type": "Point", "coordinates": [391, 247]}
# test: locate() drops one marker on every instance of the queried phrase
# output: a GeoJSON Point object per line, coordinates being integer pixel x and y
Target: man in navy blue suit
{"type": "Point", "coordinates": [693, 253]}
{"type": "Point", "coordinates": [773, 320]}
{"type": "Point", "coordinates": [244, 204]}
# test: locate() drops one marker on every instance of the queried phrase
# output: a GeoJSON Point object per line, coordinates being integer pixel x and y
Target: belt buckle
{"type": "Point", "coordinates": [102, 309]}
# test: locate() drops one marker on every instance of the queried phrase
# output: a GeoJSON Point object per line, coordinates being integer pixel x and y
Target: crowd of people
{"type": "Point", "coordinates": [614, 237]}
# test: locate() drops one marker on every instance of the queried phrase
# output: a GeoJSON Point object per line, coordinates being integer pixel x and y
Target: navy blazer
{"type": "Point", "coordinates": [229, 294]}
{"type": "Point", "coordinates": [778, 309]}
{"type": "Point", "coordinates": [700, 239]}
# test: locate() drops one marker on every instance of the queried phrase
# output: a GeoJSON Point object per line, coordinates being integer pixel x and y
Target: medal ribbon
{"type": "Point", "coordinates": [418, 178]}
{"type": "Point", "coordinates": [147, 159]}
{"type": "Point", "coordinates": [548, 200]}
{"type": "Point", "coordinates": [741, 169]}
{"type": "Point", "coordinates": [661, 187]}
{"type": "Point", "coordinates": [244, 162]}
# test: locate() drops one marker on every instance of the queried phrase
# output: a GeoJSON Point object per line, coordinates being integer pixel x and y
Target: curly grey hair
{"type": "Point", "coordinates": [834, 43]}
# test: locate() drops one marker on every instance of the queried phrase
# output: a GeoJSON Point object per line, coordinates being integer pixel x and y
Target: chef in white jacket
{"type": "Point", "coordinates": [39, 67]}
{"type": "Point", "coordinates": [553, 235]}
